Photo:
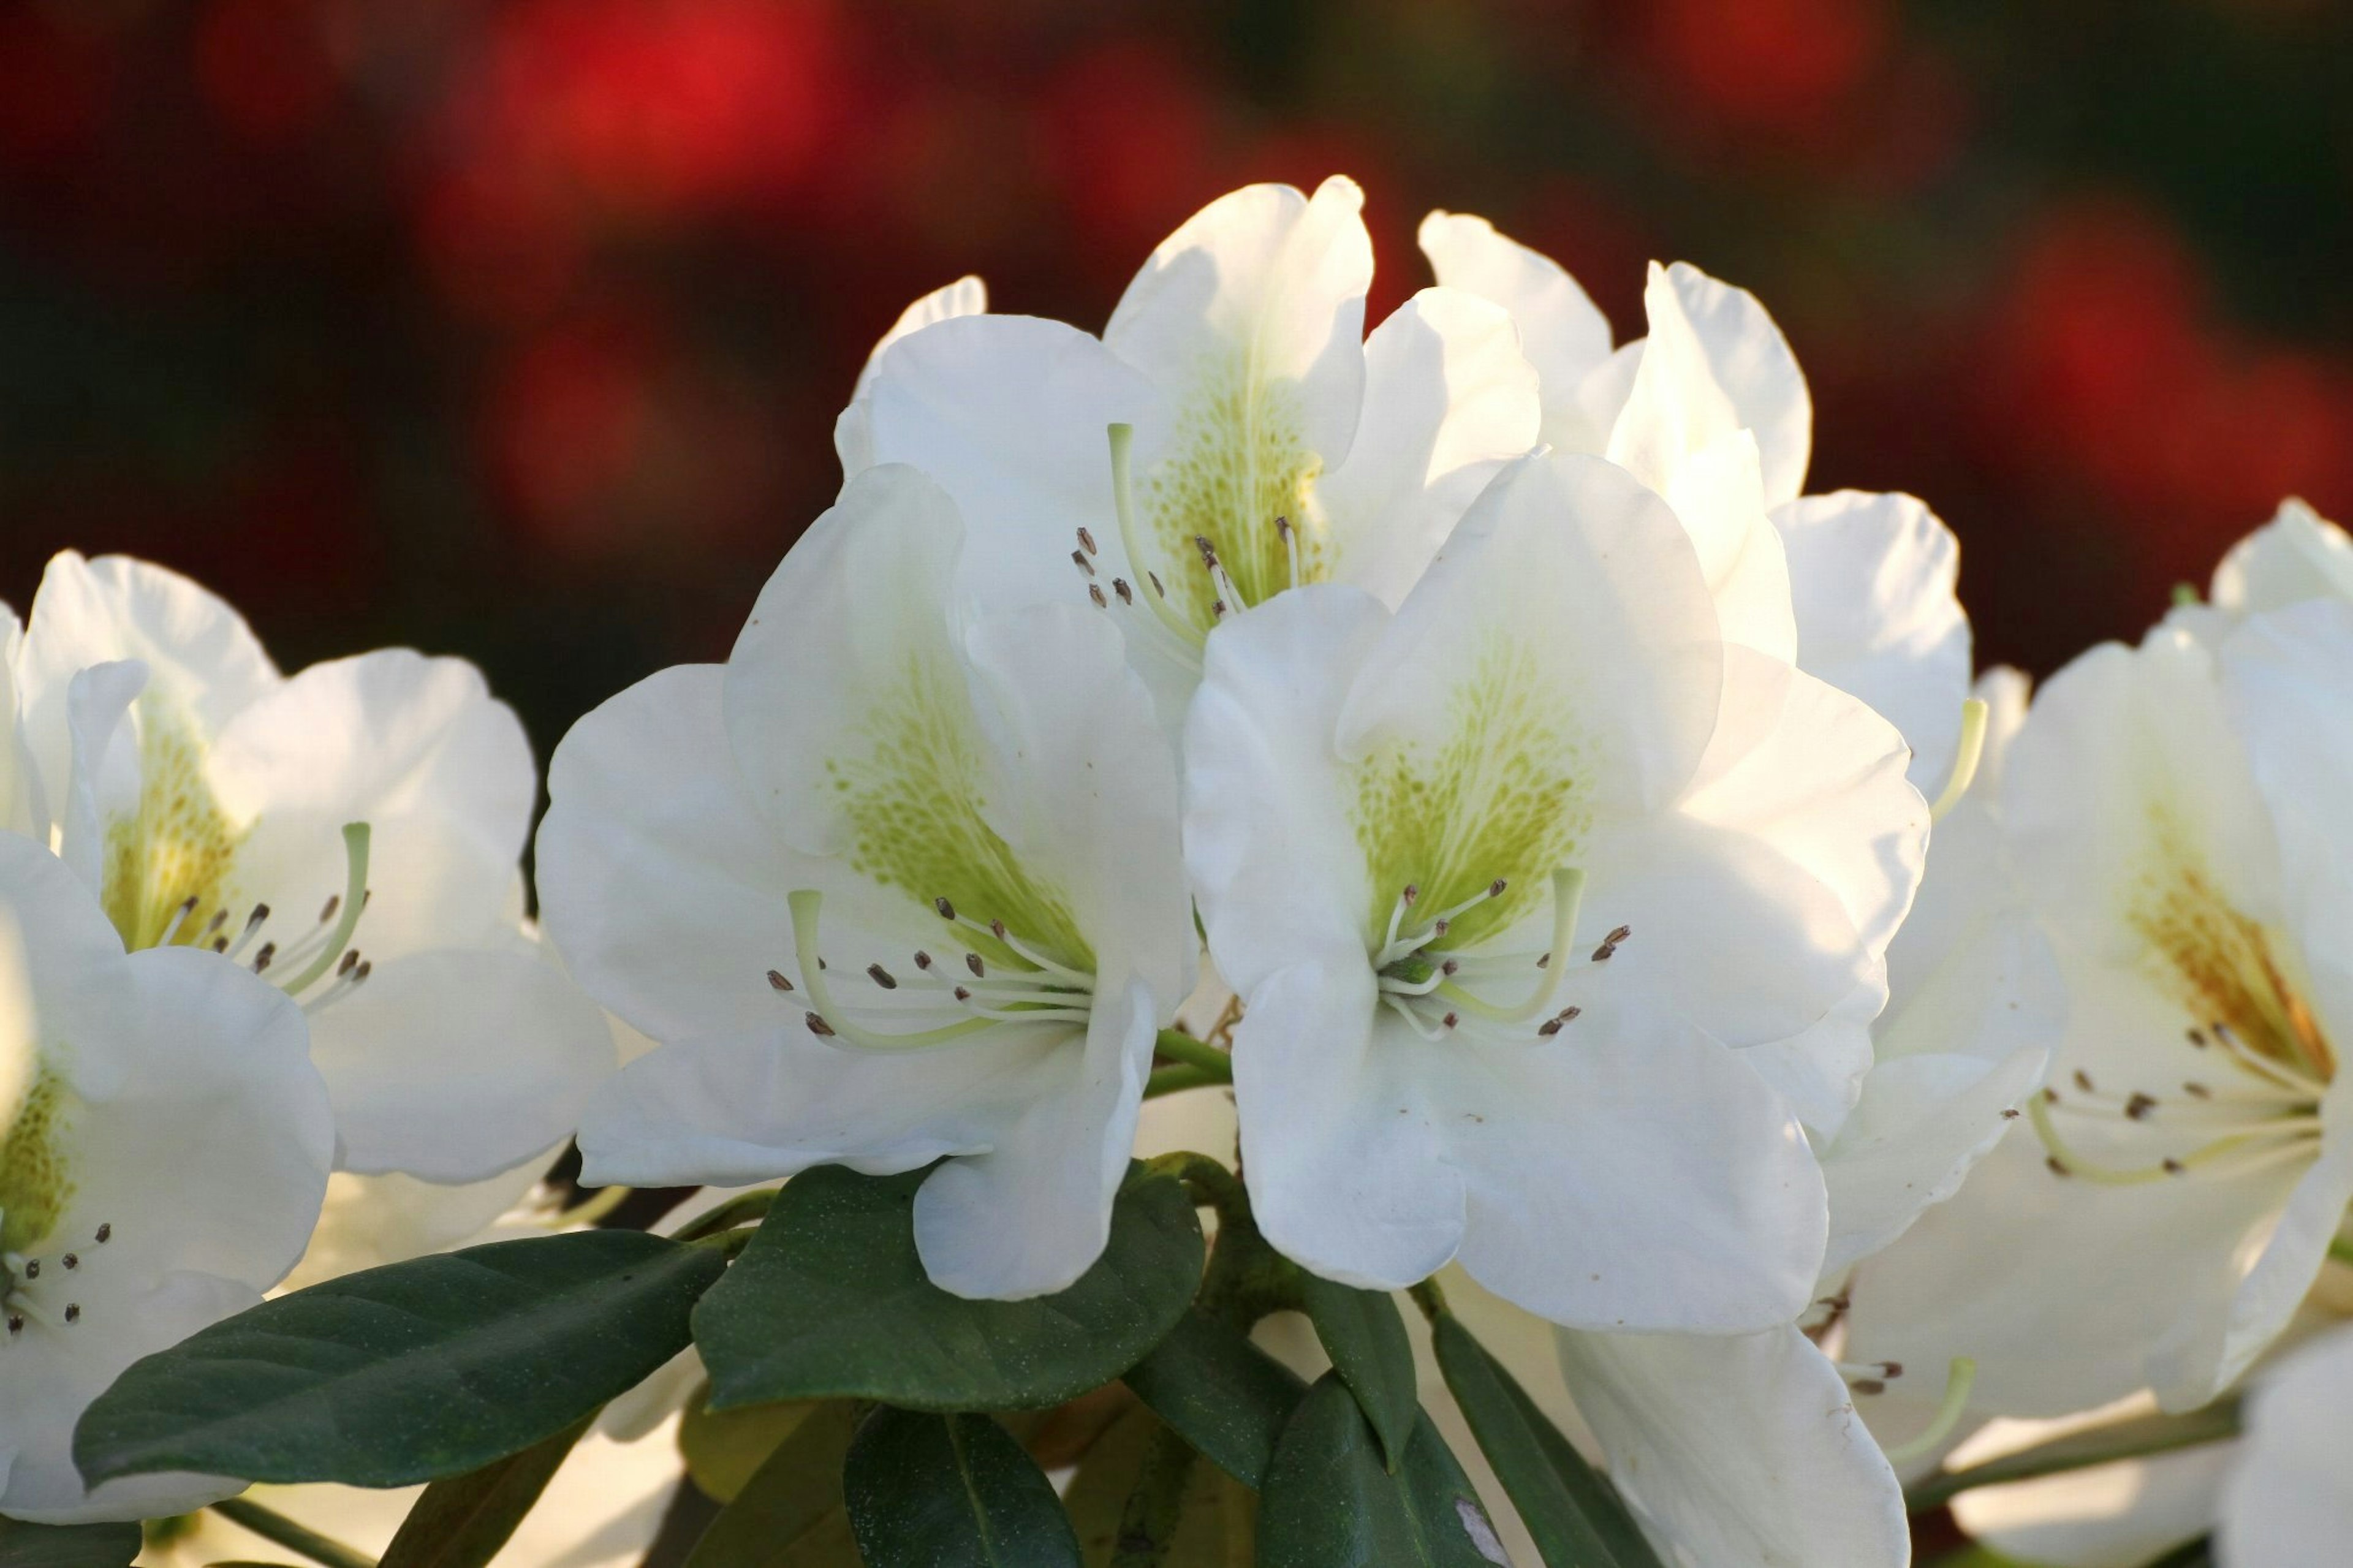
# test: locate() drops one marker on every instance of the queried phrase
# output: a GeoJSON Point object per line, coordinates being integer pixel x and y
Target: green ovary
{"type": "Point", "coordinates": [1498, 797]}
{"type": "Point", "coordinates": [1237, 463]}
{"type": "Point", "coordinates": [176, 846]}
{"type": "Point", "coordinates": [35, 1182]}
{"type": "Point", "coordinates": [916, 799]}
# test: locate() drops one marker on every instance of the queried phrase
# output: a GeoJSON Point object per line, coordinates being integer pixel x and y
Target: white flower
{"type": "Point", "coordinates": [899, 881]}
{"type": "Point", "coordinates": [2291, 1503]}
{"type": "Point", "coordinates": [163, 1154]}
{"type": "Point", "coordinates": [1273, 443]}
{"type": "Point", "coordinates": [1712, 411]}
{"type": "Point", "coordinates": [2171, 811]}
{"type": "Point", "coordinates": [1415, 837]}
{"type": "Point", "coordinates": [205, 796]}
{"type": "Point", "coordinates": [2297, 556]}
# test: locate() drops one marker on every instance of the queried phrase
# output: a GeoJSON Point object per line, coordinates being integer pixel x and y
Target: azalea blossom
{"type": "Point", "coordinates": [1712, 411]}
{"type": "Point", "coordinates": [1493, 940]}
{"type": "Point", "coordinates": [1264, 441]}
{"type": "Point", "coordinates": [2159, 1218]}
{"type": "Point", "coordinates": [2290, 1503]}
{"type": "Point", "coordinates": [898, 882]}
{"type": "Point", "coordinates": [2298, 555]}
{"type": "Point", "coordinates": [166, 1146]}
{"type": "Point", "coordinates": [352, 834]}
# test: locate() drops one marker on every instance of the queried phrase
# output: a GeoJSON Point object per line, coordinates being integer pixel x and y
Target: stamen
{"type": "Point", "coordinates": [1959, 1378]}
{"type": "Point", "coordinates": [1966, 758]}
{"type": "Point", "coordinates": [1086, 540]}
{"type": "Point", "coordinates": [804, 905]}
{"type": "Point", "coordinates": [356, 858]}
{"type": "Point", "coordinates": [1291, 546]}
{"type": "Point", "coordinates": [1078, 559]}
{"type": "Point", "coordinates": [1123, 440]}
{"type": "Point", "coordinates": [187, 907]}
{"type": "Point", "coordinates": [776, 981]}
{"type": "Point", "coordinates": [1568, 896]}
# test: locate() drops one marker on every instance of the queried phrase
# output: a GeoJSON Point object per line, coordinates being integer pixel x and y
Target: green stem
{"type": "Point", "coordinates": [2132, 1439]}
{"type": "Point", "coordinates": [1149, 1524]}
{"type": "Point", "coordinates": [279, 1531]}
{"type": "Point", "coordinates": [1429, 1299]}
{"type": "Point", "coordinates": [2341, 1250]}
{"type": "Point", "coordinates": [1178, 1079]}
{"type": "Point", "coordinates": [1193, 1053]}
{"type": "Point", "coordinates": [741, 1209]}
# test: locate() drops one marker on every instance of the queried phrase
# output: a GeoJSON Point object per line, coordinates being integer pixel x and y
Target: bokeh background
{"type": "Point", "coordinates": [516, 329]}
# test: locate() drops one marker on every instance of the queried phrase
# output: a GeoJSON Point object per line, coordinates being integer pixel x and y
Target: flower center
{"type": "Point", "coordinates": [984, 976]}
{"type": "Point", "coordinates": [2250, 1097]}
{"type": "Point", "coordinates": [1438, 989]}
{"type": "Point", "coordinates": [315, 964]}
{"type": "Point", "coordinates": [45, 1292]}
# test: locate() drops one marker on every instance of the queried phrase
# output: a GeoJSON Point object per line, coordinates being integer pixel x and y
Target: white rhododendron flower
{"type": "Point", "coordinates": [2298, 555]}
{"type": "Point", "coordinates": [165, 1143]}
{"type": "Point", "coordinates": [2290, 1503]}
{"type": "Point", "coordinates": [1712, 411]}
{"type": "Point", "coordinates": [1493, 942]}
{"type": "Point", "coordinates": [352, 833]}
{"type": "Point", "coordinates": [1273, 443]}
{"type": "Point", "coordinates": [899, 881]}
{"type": "Point", "coordinates": [2169, 810]}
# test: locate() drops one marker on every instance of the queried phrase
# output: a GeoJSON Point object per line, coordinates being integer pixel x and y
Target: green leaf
{"type": "Point", "coordinates": [830, 1301]}
{"type": "Point", "coordinates": [951, 1491]}
{"type": "Point", "coordinates": [1328, 1502]}
{"type": "Point", "coordinates": [788, 1502]}
{"type": "Point", "coordinates": [724, 1449]}
{"type": "Point", "coordinates": [1574, 1515]}
{"type": "Point", "coordinates": [26, 1545]}
{"type": "Point", "coordinates": [1364, 1337]}
{"type": "Point", "coordinates": [2133, 1439]}
{"type": "Point", "coordinates": [463, 1522]}
{"type": "Point", "coordinates": [408, 1372]}
{"type": "Point", "coordinates": [1230, 1398]}
{"type": "Point", "coordinates": [1219, 1523]}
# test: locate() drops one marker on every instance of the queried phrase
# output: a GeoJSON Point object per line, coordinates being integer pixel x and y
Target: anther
{"type": "Point", "coordinates": [2138, 1106]}
{"type": "Point", "coordinates": [71, 1260]}
{"type": "Point", "coordinates": [922, 960]}
{"type": "Point", "coordinates": [1157, 586]}
{"type": "Point", "coordinates": [1439, 927]}
{"type": "Point", "coordinates": [1095, 594]}
{"type": "Point", "coordinates": [1086, 541]}
{"type": "Point", "coordinates": [1451, 968]}
{"type": "Point", "coordinates": [817, 1026]}
{"type": "Point", "coordinates": [964, 994]}
{"type": "Point", "coordinates": [15, 1324]}
{"type": "Point", "coordinates": [1603, 953]}
{"type": "Point", "coordinates": [1078, 559]}
{"type": "Point", "coordinates": [1495, 890]}
{"type": "Point", "coordinates": [33, 1268]}
{"type": "Point", "coordinates": [776, 981]}
{"type": "Point", "coordinates": [881, 976]}
{"type": "Point", "coordinates": [979, 970]}
{"type": "Point", "coordinates": [1451, 1020]}
{"type": "Point", "coordinates": [261, 959]}
{"type": "Point", "coordinates": [1549, 1027]}
{"type": "Point", "coordinates": [1218, 608]}
{"type": "Point", "coordinates": [947, 909]}
{"type": "Point", "coordinates": [2174, 1167]}
{"type": "Point", "coordinates": [2197, 1091]}
{"type": "Point", "coordinates": [996, 929]}
{"type": "Point", "coordinates": [366, 967]}
{"type": "Point", "coordinates": [105, 1234]}
{"type": "Point", "coordinates": [2197, 1038]}
{"type": "Point", "coordinates": [2059, 1168]}
{"type": "Point", "coordinates": [220, 918]}
{"type": "Point", "coordinates": [1868, 1385]}
{"type": "Point", "coordinates": [327, 910]}
{"type": "Point", "coordinates": [2083, 1080]}
{"type": "Point", "coordinates": [220, 944]}
{"type": "Point", "coordinates": [73, 1312]}
{"type": "Point", "coordinates": [1618, 935]}
{"type": "Point", "coordinates": [1126, 595]}
{"type": "Point", "coordinates": [1412, 891]}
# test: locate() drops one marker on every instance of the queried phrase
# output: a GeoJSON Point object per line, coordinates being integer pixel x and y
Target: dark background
{"type": "Point", "coordinates": [517, 329]}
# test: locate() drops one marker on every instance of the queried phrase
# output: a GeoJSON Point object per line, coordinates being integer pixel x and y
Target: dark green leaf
{"type": "Point", "coordinates": [1575, 1517]}
{"type": "Point", "coordinates": [951, 1491]}
{"type": "Point", "coordinates": [1364, 1337]}
{"type": "Point", "coordinates": [787, 1501]}
{"type": "Point", "coordinates": [830, 1301]}
{"type": "Point", "coordinates": [408, 1372]}
{"type": "Point", "coordinates": [724, 1449]}
{"type": "Point", "coordinates": [2132, 1439]}
{"type": "Point", "coordinates": [1230, 1398]}
{"type": "Point", "coordinates": [1328, 1502]}
{"type": "Point", "coordinates": [26, 1545]}
{"type": "Point", "coordinates": [461, 1522]}
{"type": "Point", "coordinates": [1218, 1524]}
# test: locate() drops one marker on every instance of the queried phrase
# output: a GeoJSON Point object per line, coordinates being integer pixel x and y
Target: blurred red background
{"type": "Point", "coordinates": [517, 329]}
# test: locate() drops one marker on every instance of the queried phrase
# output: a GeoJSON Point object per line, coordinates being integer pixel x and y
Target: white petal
{"type": "Point", "coordinates": [1448, 397]}
{"type": "Point", "coordinates": [660, 880]}
{"type": "Point", "coordinates": [2297, 555]}
{"type": "Point", "coordinates": [416, 747]}
{"type": "Point", "coordinates": [205, 663]}
{"type": "Point", "coordinates": [71, 963]}
{"type": "Point", "coordinates": [1270, 277]}
{"type": "Point", "coordinates": [1878, 616]}
{"type": "Point", "coordinates": [1743, 1452]}
{"type": "Point", "coordinates": [1629, 1174]}
{"type": "Point", "coordinates": [1032, 1213]}
{"type": "Point", "coordinates": [456, 1064]}
{"type": "Point", "coordinates": [1562, 332]}
{"type": "Point", "coordinates": [1746, 356]}
{"type": "Point", "coordinates": [98, 699]}
{"type": "Point", "coordinates": [373, 1220]}
{"type": "Point", "coordinates": [853, 434]}
{"type": "Point", "coordinates": [1347, 1164]}
{"type": "Point", "coordinates": [2291, 1503]}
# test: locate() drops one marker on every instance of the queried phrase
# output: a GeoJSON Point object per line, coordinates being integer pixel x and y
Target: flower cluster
{"type": "Point", "coordinates": [1443, 800]}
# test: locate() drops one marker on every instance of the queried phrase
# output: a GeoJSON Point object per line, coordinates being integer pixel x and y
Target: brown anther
{"type": "Point", "coordinates": [1126, 595]}
{"type": "Point", "coordinates": [71, 1260]}
{"type": "Point", "coordinates": [776, 981]}
{"type": "Point", "coordinates": [1569, 1014]}
{"type": "Point", "coordinates": [16, 1324]}
{"type": "Point", "coordinates": [1868, 1385]}
{"type": "Point", "coordinates": [1218, 608]}
{"type": "Point", "coordinates": [2011, 1114]}
{"type": "Point", "coordinates": [1891, 1369]}
{"type": "Point", "coordinates": [1439, 927]}
{"type": "Point", "coordinates": [1605, 953]}
{"type": "Point", "coordinates": [996, 929]}
{"type": "Point", "coordinates": [1086, 540]}
{"type": "Point", "coordinates": [73, 1312]}
{"type": "Point", "coordinates": [261, 960]}
{"type": "Point", "coordinates": [1095, 596]}
{"type": "Point", "coordinates": [2175, 1168]}
{"type": "Point", "coordinates": [2197, 1038]}
{"type": "Point", "coordinates": [220, 944]}
{"type": "Point", "coordinates": [1156, 583]}
{"type": "Point", "coordinates": [2083, 1080]}
{"type": "Point", "coordinates": [1495, 889]}
{"type": "Point", "coordinates": [947, 909]}
{"type": "Point", "coordinates": [33, 1269]}
{"type": "Point", "coordinates": [816, 1023]}
{"type": "Point", "coordinates": [1451, 1020]}
{"type": "Point", "coordinates": [1412, 891]}
{"type": "Point", "coordinates": [963, 994]}
{"type": "Point", "coordinates": [979, 970]}
{"type": "Point", "coordinates": [2138, 1106]}
{"type": "Point", "coordinates": [922, 960]}
{"type": "Point", "coordinates": [2197, 1091]}
{"type": "Point", "coordinates": [349, 962]}
{"type": "Point", "coordinates": [881, 976]}
{"type": "Point", "coordinates": [1282, 528]}
{"type": "Point", "coordinates": [1618, 935]}
{"type": "Point", "coordinates": [220, 918]}
{"type": "Point", "coordinates": [1545, 961]}
{"type": "Point", "coordinates": [2049, 1096]}
{"type": "Point", "coordinates": [1548, 1028]}
{"type": "Point", "coordinates": [1449, 968]}
{"type": "Point", "coordinates": [1078, 559]}
{"type": "Point", "coordinates": [327, 910]}
{"type": "Point", "coordinates": [2057, 1168]}
{"type": "Point", "coordinates": [105, 1233]}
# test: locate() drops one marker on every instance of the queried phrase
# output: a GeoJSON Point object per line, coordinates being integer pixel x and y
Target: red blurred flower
{"type": "Point", "coordinates": [263, 66]}
{"type": "Point", "coordinates": [1770, 65]}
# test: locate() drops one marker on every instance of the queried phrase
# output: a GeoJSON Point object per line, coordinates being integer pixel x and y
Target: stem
{"type": "Point", "coordinates": [1429, 1299]}
{"type": "Point", "coordinates": [2341, 1250]}
{"type": "Point", "coordinates": [279, 1531]}
{"type": "Point", "coordinates": [2132, 1439]}
{"type": "Point", "coordinates": [1149, 1524]}
{"type": "Point", "coordinates": [1193, 1053]}
{"type": "Point", "coordinates": [741, 1209]}
{"type": "Point", "coordinates": [1178, 1079]}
